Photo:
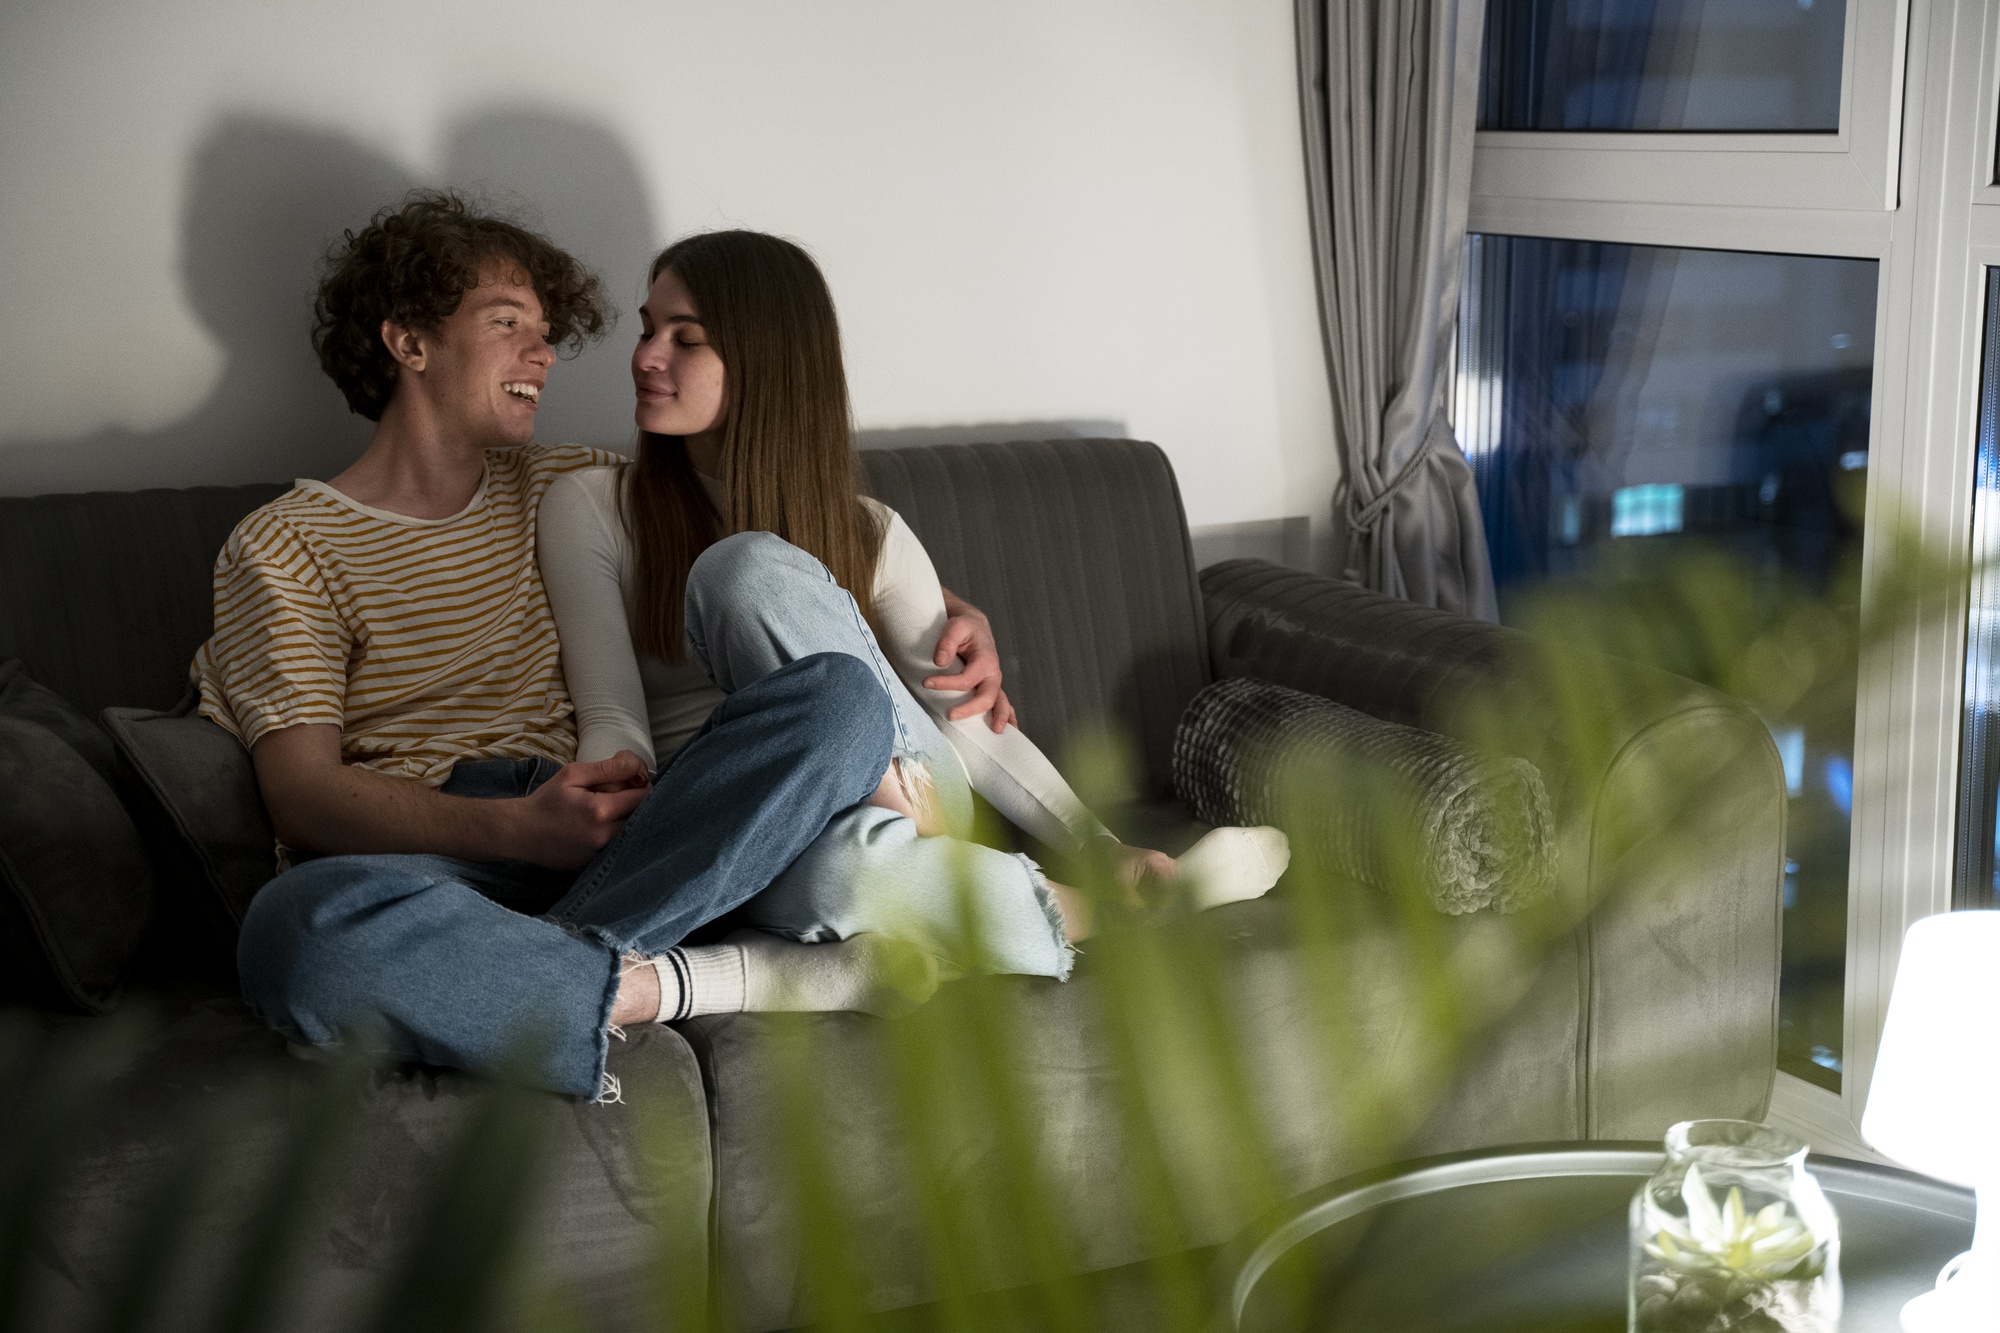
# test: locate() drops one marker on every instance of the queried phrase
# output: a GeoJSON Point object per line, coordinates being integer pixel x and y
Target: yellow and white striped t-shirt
{"type": "Point", "coordinates": [426, 641]}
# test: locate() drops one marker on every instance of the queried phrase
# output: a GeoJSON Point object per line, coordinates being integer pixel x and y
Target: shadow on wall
{"type": "Point", "coordinates": [265, 197]}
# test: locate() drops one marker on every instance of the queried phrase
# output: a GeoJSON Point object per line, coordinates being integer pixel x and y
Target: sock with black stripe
{"type": "Point", "coordinates": [695, 980]}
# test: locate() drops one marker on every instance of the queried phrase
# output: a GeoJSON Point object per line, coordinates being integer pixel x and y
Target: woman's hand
{"type": "Point", "coordinates": [1143, 875]}
{"type": "Point", "coordinates": [623, 771]}
{"type": "Point", "coordinates": [968, 636]}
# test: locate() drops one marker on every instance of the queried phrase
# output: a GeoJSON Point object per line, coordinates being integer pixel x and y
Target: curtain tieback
{"type": "Point", "coordinates": [1363, 519]}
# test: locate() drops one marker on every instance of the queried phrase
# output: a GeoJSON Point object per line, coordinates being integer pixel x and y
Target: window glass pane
{"type": "Point", "coordinates": [1979, 738]}
{"type": "Point", "coordinates": [1623, 404]}
{"type": "Point", "coordinates": [1710, 65]}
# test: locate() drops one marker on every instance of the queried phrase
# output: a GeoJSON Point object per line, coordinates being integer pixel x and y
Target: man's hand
{"type": "Point", "coordinates": [320, 804]}
{"type": "Point", "coordinates": [969, 637]}
{"type": "Point", "coordinates": [569, 817]}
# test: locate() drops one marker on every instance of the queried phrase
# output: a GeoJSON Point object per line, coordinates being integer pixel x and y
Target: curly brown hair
{"type": "Point", "coordinates": [412, 265]}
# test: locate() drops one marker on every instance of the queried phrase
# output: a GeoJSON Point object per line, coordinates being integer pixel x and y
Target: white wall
{"type": "Point", "coordinates": [1031, 211]}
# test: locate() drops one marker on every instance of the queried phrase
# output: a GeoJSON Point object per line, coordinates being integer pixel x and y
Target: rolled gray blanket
{"type": "Point", "coordinates": [1370, 796]}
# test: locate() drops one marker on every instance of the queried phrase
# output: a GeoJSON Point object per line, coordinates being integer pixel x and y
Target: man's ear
{"type": "Point", "coordinates": [406, 345]}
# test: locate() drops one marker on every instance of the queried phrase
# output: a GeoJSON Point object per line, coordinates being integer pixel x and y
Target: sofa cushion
{"type": "Point", "coordinates": [1475, 828]}
{"type": "Point", "coordinates": [76, 891]}
{"type": "Point", "coordinates": [854, 1086]}
{"type": "Point", "coordinates": [1078, 551]}
{"type": "Point", "coordinates": [618, 1195]}
{"type": "Point", "coordinates": [202, 779]}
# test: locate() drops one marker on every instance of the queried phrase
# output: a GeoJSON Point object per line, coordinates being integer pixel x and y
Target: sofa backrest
{"type": "Point", "coordinates": [1077, 549]}
{"type": "Point", "coordinates": [107, 595]}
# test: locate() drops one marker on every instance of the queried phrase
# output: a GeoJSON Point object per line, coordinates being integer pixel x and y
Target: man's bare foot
{"type": "Point", "coordinates": [908, 790]}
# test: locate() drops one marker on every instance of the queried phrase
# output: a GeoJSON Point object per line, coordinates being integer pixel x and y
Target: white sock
{"type": "Point", "coordinates": [696, 980]}
{"type": "Point", "coordinates": [1231, 865]}
{"type": "Point", "coordinates": [867, 973]}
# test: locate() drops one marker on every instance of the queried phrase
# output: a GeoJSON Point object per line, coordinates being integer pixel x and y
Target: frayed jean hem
{"type": "Point", "coordinates": [1046, 896]}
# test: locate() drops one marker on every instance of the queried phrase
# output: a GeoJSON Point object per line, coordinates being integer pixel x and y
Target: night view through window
{"type": "Point", "coordinates": [1623, 404]}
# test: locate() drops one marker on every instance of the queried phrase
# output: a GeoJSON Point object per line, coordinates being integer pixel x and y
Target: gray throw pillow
{"type": "Point", "coordinates": [1370, 796]}
{"type": "Point", "coordinates": [76, 889]}
{"type": "Point", "coordinates": [21, 695]}
{"type": "Point", "coordinates": [201, 777]}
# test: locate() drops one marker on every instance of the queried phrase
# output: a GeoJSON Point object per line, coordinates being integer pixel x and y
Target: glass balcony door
{"type": "Point", "coordinates": [1625, 405]}
{"type": "Point", "coordinates": [1909, 183]}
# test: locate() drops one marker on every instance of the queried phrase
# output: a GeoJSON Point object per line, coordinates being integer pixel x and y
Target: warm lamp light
{"type": "Point", "coordinates": [1934, 1104]}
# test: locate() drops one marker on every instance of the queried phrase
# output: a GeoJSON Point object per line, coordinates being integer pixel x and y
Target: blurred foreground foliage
{"type": "Point", "coordinates": [1196, 1102]}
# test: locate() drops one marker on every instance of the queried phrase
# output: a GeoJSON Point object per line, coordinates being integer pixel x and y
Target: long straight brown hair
{"type": "Point", "coordinates": [788, 459]}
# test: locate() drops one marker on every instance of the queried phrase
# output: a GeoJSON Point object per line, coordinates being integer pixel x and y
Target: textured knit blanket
{"type": "Point", "coordinates": [1375, 800]}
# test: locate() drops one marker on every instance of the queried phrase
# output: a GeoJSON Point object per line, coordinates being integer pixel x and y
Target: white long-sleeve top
{"type": "Point", "coordinates": [628, 701]}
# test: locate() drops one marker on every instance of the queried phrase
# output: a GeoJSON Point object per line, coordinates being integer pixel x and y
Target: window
{"type": "Point", "coordinates": [1749, 103]}
{"type": "Point", "coordinates": [1628, 157]}
{"type": "Point", "coordinates": [1978, 859]}
{"type": "Point", "coordinates": [1663, 65]}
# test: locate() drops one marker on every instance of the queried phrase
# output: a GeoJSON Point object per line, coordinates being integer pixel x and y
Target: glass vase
{"type": "Point", "coordinates": [1732, 1235]}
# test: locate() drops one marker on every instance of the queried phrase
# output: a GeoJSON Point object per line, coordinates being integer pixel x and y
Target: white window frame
{"type": "Point", "coordinates": [1855, 168]}
{"type": "Point", "coordinates": [1910, 181]}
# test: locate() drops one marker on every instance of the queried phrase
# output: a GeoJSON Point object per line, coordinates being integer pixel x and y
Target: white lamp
{"type": "Point", "coordinates": [1934, 1104]}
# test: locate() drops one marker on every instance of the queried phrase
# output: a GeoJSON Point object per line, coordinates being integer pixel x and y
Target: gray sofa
{"type": "Point", "coordinates": [1658, 1005]}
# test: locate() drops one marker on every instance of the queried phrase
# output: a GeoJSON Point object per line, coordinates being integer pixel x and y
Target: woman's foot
{"type": "Point", "coordinates": [908, 790]}
{"type": "Point", "coordinates": [1233, 865]}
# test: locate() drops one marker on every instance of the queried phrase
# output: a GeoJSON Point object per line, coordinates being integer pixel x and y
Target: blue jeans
{"type": "Point", "coordinates": [437, 959]}
{"type": "Point", "coordinates": [756, 602]}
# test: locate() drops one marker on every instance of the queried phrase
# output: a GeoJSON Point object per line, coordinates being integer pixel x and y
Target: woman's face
{"type": "Point", "coordinates": [675, 372]}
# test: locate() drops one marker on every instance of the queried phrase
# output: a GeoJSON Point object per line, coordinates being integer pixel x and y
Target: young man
{"type": "Point", "coordinates": [463, 893]}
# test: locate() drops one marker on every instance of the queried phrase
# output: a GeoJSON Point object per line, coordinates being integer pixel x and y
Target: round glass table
{"type": "Point", "coordinates": [1534, 1238]}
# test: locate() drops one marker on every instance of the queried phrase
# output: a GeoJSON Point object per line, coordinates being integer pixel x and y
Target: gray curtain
{"type": "Point", "coordinates": [1390, 91]}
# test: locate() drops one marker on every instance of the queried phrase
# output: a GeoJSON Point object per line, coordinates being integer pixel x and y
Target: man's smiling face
{"type": "Point", "coordinates": [484, 367]}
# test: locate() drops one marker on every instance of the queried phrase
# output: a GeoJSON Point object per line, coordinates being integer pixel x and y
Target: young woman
{"type": "Point", "coordinates": [743, 511]}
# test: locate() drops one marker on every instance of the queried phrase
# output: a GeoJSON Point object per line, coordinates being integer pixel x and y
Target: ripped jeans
{"type": "Point", "coordinates": [443, 960]}
{"type": "Point", "coordinates": [756, 602]}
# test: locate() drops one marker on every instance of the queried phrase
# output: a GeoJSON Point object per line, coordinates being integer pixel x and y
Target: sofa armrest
{"type": "Point", "coordinates": [1390, 659]}
{"type": "Point", "coordinates": [1669, 798]}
